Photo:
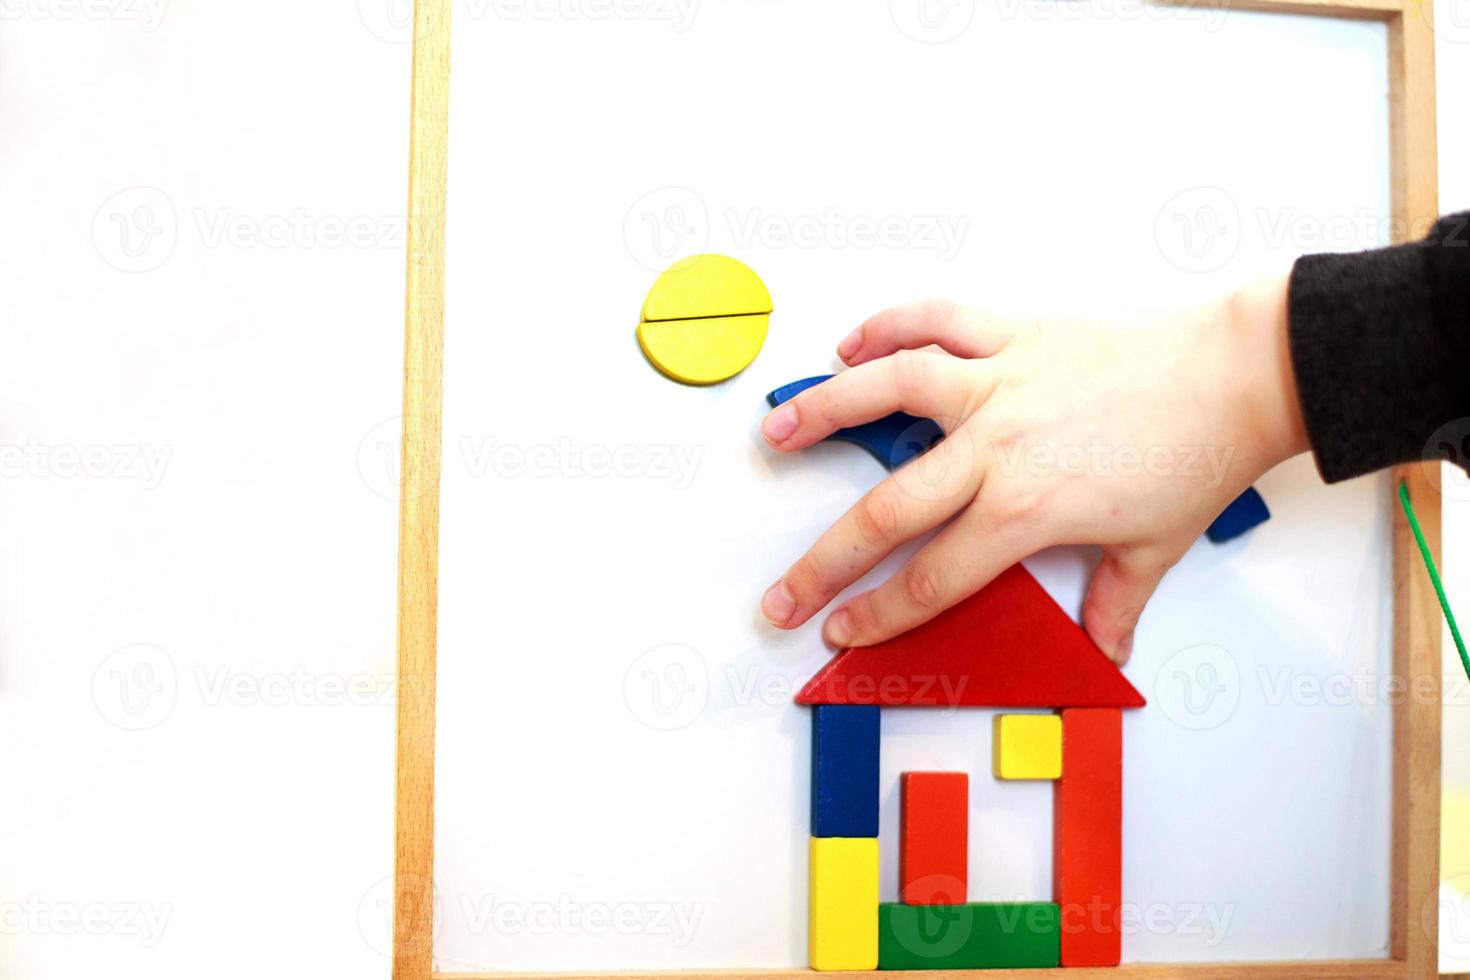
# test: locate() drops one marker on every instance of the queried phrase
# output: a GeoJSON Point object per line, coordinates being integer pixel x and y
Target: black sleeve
{"type": "Point", "coordinates": [1380, 344]}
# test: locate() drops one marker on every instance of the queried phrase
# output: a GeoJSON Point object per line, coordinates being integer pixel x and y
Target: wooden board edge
{"type": "Point", "coordinates": [1353, 9]}
{"type": "Point", "coordinates": [1383, 969]}
{"type": "Point", "coordinates": [418, 523]}
{"type": "Point", "coordinates": [1414, 869]}
{"type": "Point", "coordinates": [1416, 735]}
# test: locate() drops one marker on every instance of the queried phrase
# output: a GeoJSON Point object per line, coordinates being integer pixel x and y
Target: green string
{"type": "Point", "coordinates": [1444, 603]}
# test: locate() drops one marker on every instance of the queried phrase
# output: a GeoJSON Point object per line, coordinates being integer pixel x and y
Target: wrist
{"type": "Point", "coordinates": [1256, 322]}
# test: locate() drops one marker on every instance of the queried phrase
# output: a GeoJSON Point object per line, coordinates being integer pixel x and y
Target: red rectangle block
{"type": "Point", "coordinates": [1087, 863]}
{"type": "Point", "coordinates": [934, 838]}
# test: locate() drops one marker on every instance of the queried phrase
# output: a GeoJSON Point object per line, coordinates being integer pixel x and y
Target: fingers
{"type": "Point", "coordinates": [960, 330]}
{"type": "Point", "coordinates": [921, 383]}
{"type": "Point", "coordinates": [1120, 588]}
{"type": "Point", "coordinates": [961, 560]}
{"type": "Point", "coordinates": [917, 498]}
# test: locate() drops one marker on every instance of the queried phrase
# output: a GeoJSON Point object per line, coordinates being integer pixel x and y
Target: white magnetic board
{"type": "Point", "coordinates": [622, 775]}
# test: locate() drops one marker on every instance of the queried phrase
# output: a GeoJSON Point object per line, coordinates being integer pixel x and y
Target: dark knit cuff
{"type": "Point", "coordinates": [1374, 358]}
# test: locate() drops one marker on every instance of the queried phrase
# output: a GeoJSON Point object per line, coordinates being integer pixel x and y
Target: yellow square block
{"type": "Point", "coordinates": [1027, 747]}
{"type": "Point", "coordinates": [843, 931]}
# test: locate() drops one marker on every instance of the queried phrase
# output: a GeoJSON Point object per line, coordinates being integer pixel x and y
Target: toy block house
{"type": "Point", "coordinates": [1008, 646]}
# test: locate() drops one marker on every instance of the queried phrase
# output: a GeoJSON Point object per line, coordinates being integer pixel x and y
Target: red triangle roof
{"type": "Point", "coordinates": [1008, 646]}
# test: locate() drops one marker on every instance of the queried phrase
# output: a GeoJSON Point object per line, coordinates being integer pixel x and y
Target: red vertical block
{"type": "Point", "coordinates": [934, 838]}
{"type": "Point", "coordinates": [1087, 863]}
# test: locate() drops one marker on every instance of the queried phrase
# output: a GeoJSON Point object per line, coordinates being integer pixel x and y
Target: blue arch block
{"type": "Point", "coordinates": [893, 440]}
{"type": "Point", "coordinates": [1243, 513]}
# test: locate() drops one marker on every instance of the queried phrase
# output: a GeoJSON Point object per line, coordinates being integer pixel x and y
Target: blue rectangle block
{"type": "Point", "coordinates": [1244, 513]}
{"type": "Point", "coordinates": [845, 770]}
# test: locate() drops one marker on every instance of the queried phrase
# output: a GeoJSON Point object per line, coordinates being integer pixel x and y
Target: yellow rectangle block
{"type": "Point", "coordinates": [1027, 747]}
{"type": "Point", "coordinates": [844, 903]}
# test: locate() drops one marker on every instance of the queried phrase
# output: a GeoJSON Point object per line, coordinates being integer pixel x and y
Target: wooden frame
{"type": "Point", "coordinates": [1414, 872]}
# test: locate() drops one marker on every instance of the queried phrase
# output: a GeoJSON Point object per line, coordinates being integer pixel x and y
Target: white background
{"type": "Point", "coordinates": [244, 825]}
{"type": "Point", "coordinates": [238, 376]}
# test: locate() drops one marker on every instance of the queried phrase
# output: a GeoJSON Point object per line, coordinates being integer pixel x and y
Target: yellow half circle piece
{"type": "Point", "coordinates": [702, 351]}
{"type": "Point", "coordinates": [706, 285]}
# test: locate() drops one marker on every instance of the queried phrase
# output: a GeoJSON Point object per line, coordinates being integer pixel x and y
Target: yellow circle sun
{"type": "Point", "coordinates": [705, 319]}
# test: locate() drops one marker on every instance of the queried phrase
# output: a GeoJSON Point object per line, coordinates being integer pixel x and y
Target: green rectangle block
{"type": "Point", "coordinates": [979, 935]}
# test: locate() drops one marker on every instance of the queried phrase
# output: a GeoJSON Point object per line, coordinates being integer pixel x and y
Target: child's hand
{"type": "Point", "coordinates": [1130, 434]}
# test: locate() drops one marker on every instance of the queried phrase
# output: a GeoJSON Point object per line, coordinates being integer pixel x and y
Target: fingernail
{"type": "Point", "coordinates": [850, 344]}
{"type": "Point", "coordinates": [1123, 650]}
{"type": "Point", "coordinates": [838, 630]}
{"type": "Point", "coordinates": [779, 424]}
{"type": "Point", "coordinates": [777, 605]}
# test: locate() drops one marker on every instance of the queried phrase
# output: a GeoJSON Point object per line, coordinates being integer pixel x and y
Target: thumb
{"type": "Point", "coordinates": [1120, 588]}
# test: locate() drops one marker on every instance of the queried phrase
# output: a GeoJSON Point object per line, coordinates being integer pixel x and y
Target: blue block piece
{"type": "Point", "coordinates": [845, 770]}
{"type": "Point", "coordinates": [893, 440]}
{"type": "Point", "coordinates": [1244, 513]}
